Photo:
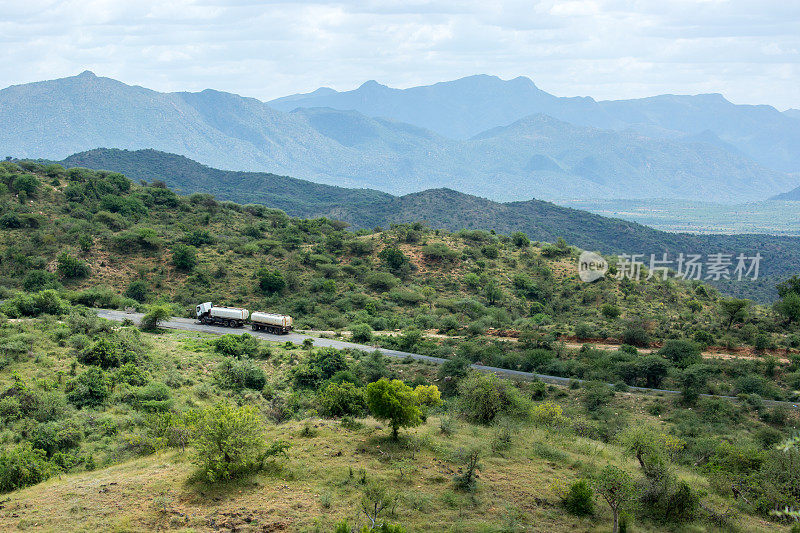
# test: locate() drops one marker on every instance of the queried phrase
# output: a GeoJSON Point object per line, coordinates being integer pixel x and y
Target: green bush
{"type": "Point", "coordinates": [22, 466]}
{"type": "Point", "coordinates": [482, 398]}
{"type": "Point", "coordinates": [579, 499]}
{"type": "Point", "coordinates": [270, 281]}
{"type": "Point", "coordinates": [681, 352]}
{"type": "Point", "coordinates": [244, 345]}
{"type": "Point", "coordinates": [184, 257]}
{"type": "Point", "coordinates": [238, 375]}
{"type": "Point", "coordinates": [155, 315]}
{"type": "Point", "coordinates": [70, 267]}
{"type": "Point", "coordinates": [381, 281]}
{"type": "Point", "coordinates": [138, 290]}
{"type": "Point", "coordinates": [342, 399]}
{"type": "Point", "coordinates": [89, 389]}
{"type": "Point", "coordinates": [361, 332]}
{"type": "Point", "coordinates": [229, 442]}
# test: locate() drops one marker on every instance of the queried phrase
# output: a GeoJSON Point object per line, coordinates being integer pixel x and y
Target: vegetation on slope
{"type": "Point", "coordinates": [451, 210]}
{"type": "Point", "coordinates": [77, 393]}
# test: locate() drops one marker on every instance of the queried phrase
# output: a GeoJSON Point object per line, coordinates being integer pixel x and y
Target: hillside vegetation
{"type": "Point", "coordinates": [179, 430]}
{"type": "Point", "coordinates": [451, 210]}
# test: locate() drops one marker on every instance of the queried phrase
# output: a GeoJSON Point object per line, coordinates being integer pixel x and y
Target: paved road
{"type": "Point", "coordinates": [189, 324]}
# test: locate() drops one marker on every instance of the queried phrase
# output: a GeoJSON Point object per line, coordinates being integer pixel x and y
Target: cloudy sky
{"type": "Point", "coordinates": [749, 50]}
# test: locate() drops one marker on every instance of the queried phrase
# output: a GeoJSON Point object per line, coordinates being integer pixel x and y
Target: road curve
{"type": "Point", "coordinates": [189, 324]}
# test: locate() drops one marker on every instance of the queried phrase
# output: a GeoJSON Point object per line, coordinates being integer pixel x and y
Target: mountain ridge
{"type": "Point", "coordinates": [547, 158]}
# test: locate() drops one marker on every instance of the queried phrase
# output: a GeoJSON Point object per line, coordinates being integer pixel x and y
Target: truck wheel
{"type": "Point", "coordinates": [229, 323]}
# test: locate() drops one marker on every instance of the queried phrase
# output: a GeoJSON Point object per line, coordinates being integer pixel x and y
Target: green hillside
{"type": "Point", "coordinates": [451, 210]}
{"type": "Point", "coordinates": [110, 427]}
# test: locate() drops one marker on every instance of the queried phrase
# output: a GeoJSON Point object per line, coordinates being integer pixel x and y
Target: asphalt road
{"type": "Point", "coordinates": [189, 324]}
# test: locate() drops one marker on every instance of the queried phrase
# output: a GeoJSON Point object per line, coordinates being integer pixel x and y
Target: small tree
{"type": "Point", "coordinates": [89, 389]}
{"type": "Point", "coordinates": [617, 489]}
{"type": "Point", "coordinates": [138, 290]}
{"type": "Point", "coordinates": [228, 441]}
{"type": "Point", "coordinates": [789, 306]}
{"type": "Point", "coordinates": [154, 317]}
{"type": "Point", "coordinates": [395, 402]}
{"type": "Point", "coordinates": [733, 310]}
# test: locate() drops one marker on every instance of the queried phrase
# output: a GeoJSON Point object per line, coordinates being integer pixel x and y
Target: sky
{"type": "Point", "coordinates": [748, 50]}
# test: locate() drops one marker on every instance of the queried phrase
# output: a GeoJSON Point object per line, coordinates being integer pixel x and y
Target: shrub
{"type": "Point", "coordinates": [636, 336]}
{"type": "Point", "coordinates": [184, 257]}
{"type": "Point", "coordinates": [361, 332]}
{"type": "Point", "coordinates": [394, 402]}
{"type": "Point", "coordinates": [579, 499]}
{"type": "Point", "coordinates": [381, 281]}
{"type": "Point", "coordinates": [270, 281]}
{"type": "Point", "coordinates": [89, 389]}
{"type": "Point", "coordinates": [596, 394]}
{"type": "Point", "coordinates": [22, 466]}
{"type": "Point", "coordinates": [102, 353]}
{"type": "Point", "coordinates": [70, 267]}
{"type": "Point", "coordinates": [137, 290]}
{"type": "Point", "coordinates": [236, 345]}
{"type": "Point", "coordinates": [342, 399]}
{"type": "Point", "coordinates": [548, 414]}
{"type": "Point", "coordinates": [681, 352]}
{"type": "Point", "coordinates": [484, 397]}
{"type": "Point", "coordinates": [610, 311]}
{"type": "Point", "coordinates": [238, 375]}
{"type": "Point", "coordinates": [39, 280]}
{"type": "Point", "coordinates": [228, 442]}
{"type": "Point", "coordinates": [439, 251]}
{"type": "Point", "coordinates": [520, 240]}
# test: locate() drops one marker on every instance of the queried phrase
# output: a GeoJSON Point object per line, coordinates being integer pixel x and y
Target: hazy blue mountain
{"type": "Point", "coordinates": [538, 156]}
{"type": "Point", "coordinates": [794, 113]}
{"type": "Point", "coordinates": [793, 195]}
{"type": "Point", "coordinates": [446, 208]}
{"type": "Point", "coordinates": [457, 109]}
{"type": "Point", "coordinates": [463, 108]}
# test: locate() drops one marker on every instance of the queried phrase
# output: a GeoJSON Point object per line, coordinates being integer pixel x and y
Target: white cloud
{"type": "Point", "coordinates": [746, 49]}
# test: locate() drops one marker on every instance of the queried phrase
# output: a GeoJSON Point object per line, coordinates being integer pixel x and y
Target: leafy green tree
{"type": "Point", "coordinates": [381, 281]}
{"type": "Point", "coordinates": [493, 293]}
{"type": "Point", "coordinates": [102, 353]}
{"type": "Point", "coordinates": [617, 488]}
{"type": "Point", "coordinates": [733, 310]}
{"type": "Point", "coordinates": [579, 500]}
{"type": "Point", "coordinates": [27, 183]}
{"type": "Point", "coordinates": [229, 442]}
{"type": "Point", "coordinates": [610, 311]}
{"type": "Point", "coordinates": [184, 257]}
{"type": "Point", "coordinates": [394, 402]}
{"type": "Point", "coordinates": [270, 281]}
{"type": "Point", "coordinates": [361, 332]}
{"type": "Point", "coordinates": [39, 280]}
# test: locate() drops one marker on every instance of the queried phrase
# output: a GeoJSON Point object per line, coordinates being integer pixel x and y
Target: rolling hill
{"type": "Point", "coordinates": [448, 209]}
{"type": "Point", "coordinates": [537, 156]}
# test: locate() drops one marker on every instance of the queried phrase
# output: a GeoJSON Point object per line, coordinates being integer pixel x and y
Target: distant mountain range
{"type": "Point", "coordinates": [448, 209]}
{"type": "Point", "coordinates": [504, 140]}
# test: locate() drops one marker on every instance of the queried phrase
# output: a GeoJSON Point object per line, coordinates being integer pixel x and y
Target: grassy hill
{"type": "Point", "coordinates": [182, 430]}
{"type": "Point", "coordinates": [451, 210]}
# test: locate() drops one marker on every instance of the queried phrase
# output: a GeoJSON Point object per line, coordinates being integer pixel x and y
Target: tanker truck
{"type": "Point", "coordinates": [271, 323]}
{"type": "Point", "coordinates": [233, 317]}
